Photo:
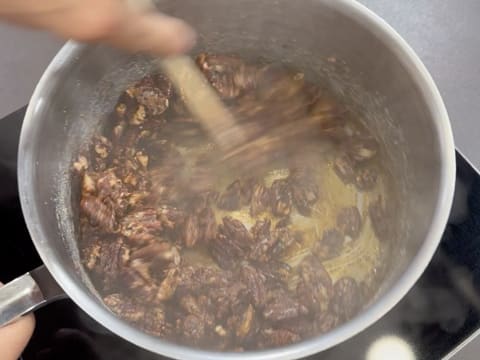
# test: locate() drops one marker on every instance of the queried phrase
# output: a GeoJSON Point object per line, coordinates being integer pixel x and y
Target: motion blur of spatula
{"type": "Point", "coordinates": [200, 98]}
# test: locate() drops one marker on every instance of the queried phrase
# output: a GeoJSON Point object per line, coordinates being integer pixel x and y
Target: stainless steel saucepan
{"type": "Point", "coordinates": [337, 41]}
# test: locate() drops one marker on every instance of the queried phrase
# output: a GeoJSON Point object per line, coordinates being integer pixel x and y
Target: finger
{"type": "Point", "coordinates": [113, 22]}
{"type": "Point", "coordinates": [14, 337]}
{"type": "Point", "coordinates": [153, 33]}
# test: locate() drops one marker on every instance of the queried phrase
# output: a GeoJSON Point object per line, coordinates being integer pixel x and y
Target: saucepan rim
{"type": "Point", "coordinates": [97, 311]}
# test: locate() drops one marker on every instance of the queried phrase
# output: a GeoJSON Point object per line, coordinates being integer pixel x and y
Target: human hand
{"type": "Point", "coordinates": [109, 21]}
{"type": "Point", "coordinates": [15, 336]}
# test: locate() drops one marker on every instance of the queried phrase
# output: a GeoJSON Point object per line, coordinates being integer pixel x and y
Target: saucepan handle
{"type": "Point", "coordinates": [28, 293]}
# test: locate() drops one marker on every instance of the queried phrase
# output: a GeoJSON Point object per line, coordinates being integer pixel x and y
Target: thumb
{"type": "Point", "coordinates": [15, 336]}
{"type": "Point", "coordinates": [154, 33]}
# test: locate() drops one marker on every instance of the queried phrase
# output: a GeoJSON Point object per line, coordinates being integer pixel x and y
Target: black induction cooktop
{"type": "Point", "coordinates": [439, 315]}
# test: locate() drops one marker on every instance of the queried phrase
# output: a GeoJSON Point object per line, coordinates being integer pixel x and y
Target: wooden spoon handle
{"type": "Point", "coordinates": [200, 98]}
